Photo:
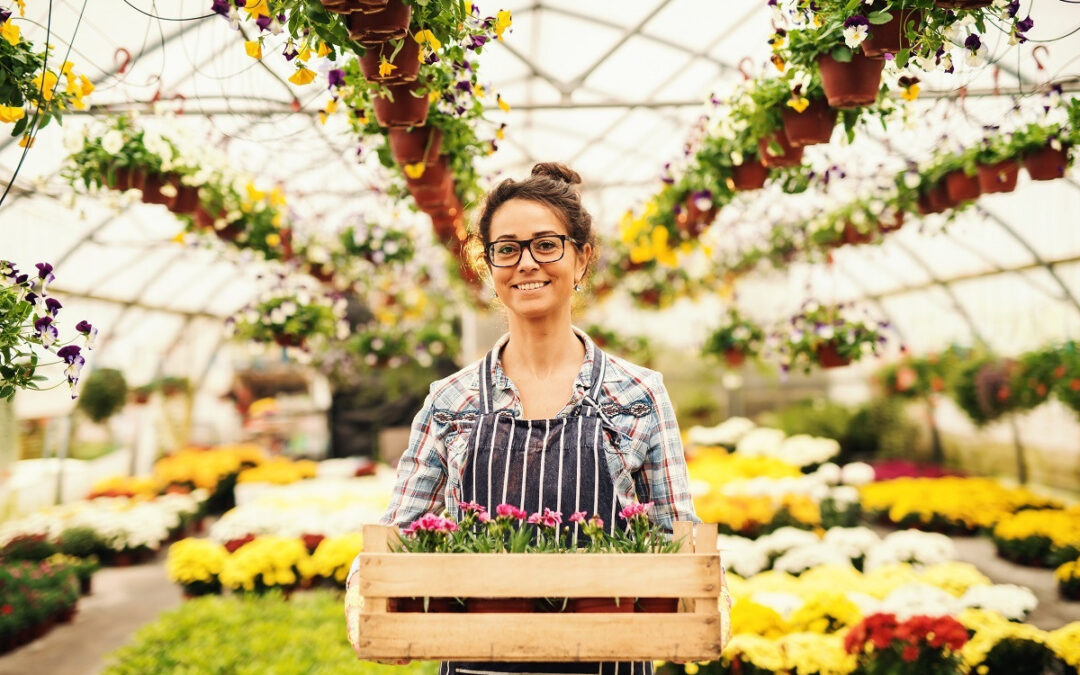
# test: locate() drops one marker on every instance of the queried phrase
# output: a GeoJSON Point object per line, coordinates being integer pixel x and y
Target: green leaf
{"type": "Point", "coordinates": [902, 57]}
{"type": "Point", "coordinates": [20, 125]}
{"type": "Point", "coordinates": [880, 17]}
{"type": "Point", "coordinates": [841, 54]}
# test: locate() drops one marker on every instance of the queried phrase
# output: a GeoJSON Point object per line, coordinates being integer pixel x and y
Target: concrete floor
{"type": "Point", "coordinates": [129, 597]}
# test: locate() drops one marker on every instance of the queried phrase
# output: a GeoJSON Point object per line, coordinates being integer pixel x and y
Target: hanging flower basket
{"type": "Point", "coordinates": [827, 356]}
{"type": "Point", "coordinates": [891, 37]}
{"type": "Point", "coordinates": [389, 22]}
{"type": "Point", "coordinates": [187, 199]}
{"type": "Point", "coordinates": [405, 64]}
{"type": "Point", "coordinates": [961, 187]}
{"type": "Point", "coordinates": [810, 127]}
{"type": "Point", "coordinates": [419, 144]}
{"type": "Point", "coordinates": [892, 223]}
{"type": "Point", "coordinates": [122, 179]}
{"type": "Point", "coordinates": [405, 110]}
{"type": "Point", "coordinates": [734, 357]}
{"type": "Point", "coordinates": [934, 200]}
{"type": "Point", "coordinates": [962, 4]}
{"type": "Point", "coordinates": [151, 190]}
{"type": "Point", "coordinates": [287, 340]}
{"type": "Point", "coordinates": [789, 155]}
{"type": "Point", "coordinates": [351, 6]}
{"type": "Point", "coordinates": [693, 220]}
{"type": "Point", "coordinates": [1047, 163]}
{"type": "Point", "coordinates": [750, 175]}
{"type": "Point", "coordinates": [204, 219]}
{"type": "Point", "coordinates": [999, 177]}
{"type": "Point", "coordinates": [433, 198]}
{"type": "Point", "coordinates": [852, 236]}
{"type": "Point", "coordinates": [435, 175]}
{"type": "Point", "coordinates": [852, 84]}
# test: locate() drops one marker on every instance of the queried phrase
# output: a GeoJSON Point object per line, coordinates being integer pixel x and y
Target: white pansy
{"type": "Point", "coordinates": [112, 141]}
{"type": "Point", "coordinates": [855, 35]}
{"type": "Point", "coordinates": [761, 441]}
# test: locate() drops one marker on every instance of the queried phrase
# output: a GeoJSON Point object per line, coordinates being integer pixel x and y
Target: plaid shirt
{"type": "Point", "coordinates": [644, 452]}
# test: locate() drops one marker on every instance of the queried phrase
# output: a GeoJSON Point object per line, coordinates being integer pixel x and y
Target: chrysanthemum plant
{"type": "Point", "coordinates": [28, 324]}
{"type": "Point", "coordinates": [921, 645]}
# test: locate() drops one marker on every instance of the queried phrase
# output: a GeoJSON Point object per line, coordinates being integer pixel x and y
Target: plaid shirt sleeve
{"type": "Point", "coordinates": [421, 471]}
{"type": "Point", "coordinates": [664, 467]}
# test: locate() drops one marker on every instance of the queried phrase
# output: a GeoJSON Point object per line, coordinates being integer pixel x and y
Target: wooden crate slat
{"type": "Point", "coordinates": [540, 637]}
{"type": "Point", "coordinates": [538, 575]}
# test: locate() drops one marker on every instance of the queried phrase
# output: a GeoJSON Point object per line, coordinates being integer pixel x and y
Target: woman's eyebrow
{"type": "Point", "coordinates": [535, 234]}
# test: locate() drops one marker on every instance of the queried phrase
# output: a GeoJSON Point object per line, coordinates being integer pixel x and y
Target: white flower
{"type": "Point", "coordinates": [781, 603]}
{"type": "Point", "coordinates": [1009, 600]}
{"type": "Point", "coordinates": [785, 539]}
{"type": "Point", "coordinates": [844, 496]}
{"type": "Point", "coordinates": [911, 546]}
{"type": "Point", "coordinates": [112, 141]}
{"type": "Point", "coordinates": [761, 441]}
{"type": "Point", "coordinates": [917, 598]}
{"type": "Point", "coordinates": [854, 35]}
{"type": "Point", "coordinates": [829, 473]}
{"type": "Point", "coordinates": [800, 559]}
{"type": "Point", "coordinates": [857, 473]}
{"type": "Point", "coordinates": [727, 432]}
{"type": "Point", "coordinates": [853, 542]}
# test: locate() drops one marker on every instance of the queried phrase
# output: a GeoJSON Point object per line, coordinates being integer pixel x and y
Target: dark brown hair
{"type": "Point", "coordinates": [551, 184]}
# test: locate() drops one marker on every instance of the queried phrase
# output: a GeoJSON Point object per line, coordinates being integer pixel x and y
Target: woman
{"type": "Point", "coordinates": [492, 432]}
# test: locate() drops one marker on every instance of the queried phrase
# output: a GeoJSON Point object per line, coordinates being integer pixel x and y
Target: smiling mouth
{"type": "Point", "coordinates": [531, 286]}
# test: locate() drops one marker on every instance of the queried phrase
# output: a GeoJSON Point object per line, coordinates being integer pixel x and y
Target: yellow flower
{"type": "Point", "coordinates": [910, 93]}
{"type": "Point", "coordinates": [385, 67]}
{"type": "Point", "coordinates": [10, 32]}
{"type": "Point", "coordinates": [500, 133]}
{"type": "Point", "coordinates": [257, 8]}
{"type": "Point", "coordinates": [334, 556]}
{"type": "Point", "coordinates": [66, 68]}
{"type": "Point", "coordinates": [50, 84]}
{"type": "Point", "coordinates": [323, 50]}
{"type": "Point", "coordinates": [428, 38]}
{"type": "Point", "coordinates": [503, 105]}
{"type": "Point", "coordinates": [302, 76]}
{"type": "Point", "coordinates": [179, 237]}
{"type": "Point", "coordinates": [273, 240]}
{"type": "Point", "coordinates": [778, 61]}
{"type": "Point", "coordinates": [253, 49]}
{"type": "Point", "coordinates": [10, 114]}
{"type": "Point", "coordinates": [254, 194]}
{"type": "Point", "coordinates": [87, 87]}
{"type": "Point", "coordinates": [22, 7]}
{"type": "Point", "coordinates": [479, 91]}
{"type": "Point", "coordinates": [798, 103]}
{"type": "Point", "coordinates": [415, 170]}
{"type": "Point", "coordinates": [502, 22]}
{"type": "Point", "coordinates": [26, 142]}
{"type": "Point", "coordinates": [192, 560]}
{"type": "Point", "coordinates": [304, 54]}
{"type": "Point", "coordinates": [277, 197]}
{"type": "Point", "coordinates": [433, 96]}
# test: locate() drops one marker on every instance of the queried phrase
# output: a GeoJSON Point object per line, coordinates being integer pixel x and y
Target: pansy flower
{"type": "Point", "coordinates": [856, 28]}
{"type": "Point", "coordinates": [46, 331]}
{"type": "Point", "coordinates": [88, 331]}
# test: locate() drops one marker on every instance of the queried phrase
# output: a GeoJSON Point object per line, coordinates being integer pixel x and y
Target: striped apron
{"type": "Point", "coordinates": [558, 464]}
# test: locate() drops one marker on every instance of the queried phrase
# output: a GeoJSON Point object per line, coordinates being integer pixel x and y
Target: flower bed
{"type": "Point", "coordinates": [951, 505]}
{"type": "Point", "coordinates": [250, 634]}
{"type": "Point", "coordinates": [1043, 538]}
{"type": "Point", "coordinates": [34, 595]}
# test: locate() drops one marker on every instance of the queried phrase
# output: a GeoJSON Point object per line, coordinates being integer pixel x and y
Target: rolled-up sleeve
{"type": "Point", "coordinates": [664, 468]}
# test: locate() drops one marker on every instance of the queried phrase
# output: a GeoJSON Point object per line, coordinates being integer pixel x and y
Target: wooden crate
{"type": "Point", "coordinates": [694, 633]}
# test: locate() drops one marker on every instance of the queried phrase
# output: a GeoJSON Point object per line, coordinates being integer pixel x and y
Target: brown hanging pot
{"type": "Point", "coordinates": [435, 175]}
{"type": "Point", "coordinates": [151, 191]}
{"type": "Point", "coordinates": [389, 22]}
{"type": "Point", "coordinates": [788, 155]}
{"type": "Point", "coordinates": [750, 175]}
{"type": "Point", "coordinates": [1047, 163]}
{"type": "Point", "coordinates": [734, 357]}
{"type": "Point", "coordinates": [852, 84]}
{"type": "Point", "coordinates": [852, 236]}
{"type": "Point", "coordinates": [934, 200]}
{"type": "Point", "coordinates": [961, 187]}
{"type": "Point", "coordinates": [891, 37]}
{"type": "Point", "coordinates": [810, 127]}
{"type": "Point", "coordinates": [891, 224]}
{"type": "Point", "coordinates": [121, 179]}
{"type": "Point", "coordinates": [405, 110]}
{"type": "Point", "coordinates": [962, 4]}
{"type": "Point", "coordinates": [828, 357]}
{"type": "Point", "coordinates": [419, 144]}
{"type": "Point", "coordinates": [406, 63]}
{"type": "Point", "coordinates": [350, 6]}
{"type": "Point", "coordinates": [999, 177]}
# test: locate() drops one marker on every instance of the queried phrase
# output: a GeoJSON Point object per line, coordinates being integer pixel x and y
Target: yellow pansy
{"type": "Point", "coordinates": [304, 54]}
{"type": "Point", "coordinates": [50, 84]}
{"type": "Point", "coordinates": [323, 51]}
{"type": "Point", "coordinates": [273, 240]}
{"type": "Point", "coordinates": [253, 49]}
{"type": "Point", "coordinates": [257, 8]}
{"type": "Point", "coordinates": [86, 86]}
{"type": "Point", "coordinates": [415, 170]}
{"type": "Point", "coordinates": [277, 197]}
{"type": "Point", "coordinates": [10, 32]}
{"type": "Point", "coordinates": [798, 103]}
{"type": "Point", "coordinates": [10, 114]}
{"type": "Point", "coordinates": [179, 237]}
{"type": "Point", "coordinates": [278, 219]}
{"type": "Point", "coordinates": [500, 133]}
{"type": "Point", "coordinates": [434, 96]}
{"type": "Point", "coordinates": [66, 68]}
{"type": "Point", "coordinates": [503, 105]}
{"type": "Point", "coordinates": [302, 76]}
{"type": "Point", "coordinates": [910, 93]}
{"type": "Point", "coordinates": [26, 142]}
{"type": "Point", "coordinates": [479, 91]}
{"type": "Point", "coordinates": [502, 22]}
{"type": "Point", "coordinates": [427, 37]}
{"type": "Point", "coordinates": [254, 194]}
{"type": "Point", "coordinates": [22, 7]}
{"type": "Point", "coordinates": [385, 67]}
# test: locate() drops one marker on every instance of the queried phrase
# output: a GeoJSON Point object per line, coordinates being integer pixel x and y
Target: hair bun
{"type": "Point", "coordinates": [558, 172]}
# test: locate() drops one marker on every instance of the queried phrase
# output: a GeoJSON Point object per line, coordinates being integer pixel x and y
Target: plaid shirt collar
{"type": "Point", "coordinates": [584, 377]}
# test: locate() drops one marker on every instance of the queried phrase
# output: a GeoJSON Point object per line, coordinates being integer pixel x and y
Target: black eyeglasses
{"type": "Point", "coordinates": [547, 248]}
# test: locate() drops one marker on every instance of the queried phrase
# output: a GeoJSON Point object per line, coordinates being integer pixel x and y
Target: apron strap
{"type": "Point", "coordinates": [592, 398]}
{"type": "Point", "coordinates": [486, 385]}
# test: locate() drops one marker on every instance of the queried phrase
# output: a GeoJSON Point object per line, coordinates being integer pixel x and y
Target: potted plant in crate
{"type": "Point", "coordinates": [827, 336]}
{"type": "Point", "coordinates": [735, 339]}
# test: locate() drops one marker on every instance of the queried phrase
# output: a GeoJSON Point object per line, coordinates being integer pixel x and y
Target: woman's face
{"type": "Point", "coordinates": [529, 288]}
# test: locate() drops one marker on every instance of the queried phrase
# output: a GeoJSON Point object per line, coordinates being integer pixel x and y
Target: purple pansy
{"type": "Point", "coordinates": [336, 76]}
{"type": "Point", "coordinates": [221, 7]}
{"type": "Point", "coordinates": [973, 42]}
{"type": "Point", "coordinates": [477, 41]}
{"type": "Point", "coordinates": [263, 22]}
{"type": "Point", "coordinates": [289, 52]}
{"type": "Point", "coordinates": [856, 20]}
{"type": "Point", "coordinates": [5, 14]}
{"type": "Point", "coordinates": [52, 306]}
{"type": "Point", "coordinates": [69, 353]}
{"type": "Point", "coordinates": [45, 272]}
{"type": "Point", "coordinates": [1025, 25]}
{"type": "Point", "coordinates": [1012, 8]}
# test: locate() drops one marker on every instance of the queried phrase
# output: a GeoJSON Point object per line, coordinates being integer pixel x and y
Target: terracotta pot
{"type": "Point", "coordinates": [122, 559]}
{"type": "Point", "coordinates": [891, 37]}
{"type": "Point", "coordinates": [419, 144]}
{"type": "Point", "coordinates": [445, 226]}
{"type": "Point", "coordinates": [231, 232]}
{"type": "Point", "coordinates": [286, 340]}
{"type": "Point", "coordinates": [500, 605]}
{"type": "Point", "coordinates": [151, 190]}
{"type": "Point", "coordinates": [828, 358]}
{"type": "Point", "coordinates": [138, 179]}
{"type": "Point", "coordinates": [321, 272]}
{"type": "Point", "coordinates": [405, 110]}
{"type": "Point", "coordinates": [693, 220]}
{"type": "Point", "coordinates": [203, 218]}
{"type": "Point", "coordinates": [893, 224]}
{"type": "Point", "coordinates": [187, 199]}
{"type": "Point", "coordinates": [1047, 163]}
{"type": "Point", "coordinates": [962, 4]}
{"type": "Point", "coordinates": [435, 175]}
{"type": "Point", "coordinates": [350, 6]}
{"type": "Point", "coordinates": [999, 177]}
{"type": "Point", "coordinates": [853, 237]}
{"type": "Point", "coordinates": [789, 156]}
{"type": "Point", "coordinates": [734, 358]}
{"type": "Point", "coordinates": [66, 615]}
{"type": "Point", "coordinates": [750, 175]}
{"type": "Point", "coordinates": [86, 586]}
{"type": "Point", "coordinates": [852, 84]}
{"type": "Point", "coordinates": [961, 187]}
{"type": "Point", "coordinates": [657, 605]}
{"type": "Point", "coordinates": [934, 200]}
{"type": "Point", "coordinates": [406, 63]}
{"type": "Point", "coordinates": [389, 22]}
{"type": "Point", "coordinates": [810, 127]}
{"type": "Point", "coordinates": [600, 605]}
{"type": "Point", "coordinates": [122, 179]}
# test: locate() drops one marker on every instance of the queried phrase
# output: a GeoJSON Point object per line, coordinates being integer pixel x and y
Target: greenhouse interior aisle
{"type": "Point", "coordinates": [807, 271]}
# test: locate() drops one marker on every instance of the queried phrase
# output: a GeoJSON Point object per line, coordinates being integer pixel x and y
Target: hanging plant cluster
{"type": "Point", "coordinates": [291, 316]}
{"type": "Point", "coordinates": [735, 339]}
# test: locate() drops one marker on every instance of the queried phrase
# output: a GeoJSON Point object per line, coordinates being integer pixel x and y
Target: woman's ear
{"type": "Point", "coordinates": [583, 260]}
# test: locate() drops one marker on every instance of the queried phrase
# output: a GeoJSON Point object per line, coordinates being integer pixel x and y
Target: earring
{"type": "Point", "coordinates": [577, 287]}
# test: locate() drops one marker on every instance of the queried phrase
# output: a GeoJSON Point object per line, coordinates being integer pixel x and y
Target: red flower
{"type": "Point", "coordinates": [6, 609]}
{"type": "Point", "coordinates": [910, 653]}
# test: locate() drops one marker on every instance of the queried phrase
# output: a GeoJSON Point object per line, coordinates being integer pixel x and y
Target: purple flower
{"type": "Point", "coordinates": [52, 306]}
{"type": "Point", "coordinates": [32, 298]}
{"type": "Point", "coordinates": [1013, 8]}
{"type": "Point", "coordinates": [5, 14]}
{"type": "Point", "coordinates": [856, 20]}
{"type": "Point", "coordinates": [477, 41]}
{"type": "Point", "coordinates": [289, 52]}
{"type": "Point", "coordinates": [464, 85]}
{"type": "Point", "coordinates": [336, 76]}
{"type": "Point", "coordinates": [240, 3]}
{"type": "Point", "coordinates": [220, 7]}
{"type": "Point", "coordinates": [69, 353]}
{"type": "Point", "coordinates": [46, 330]}
{"type": "Point", "coordinates": [431, 58]}
{"type": "Point", "coordinates": [973, 42]}
{"type": "Point", "coordinates": [45, 272]}
{"type": "Point", "coordinates": [703, 199]}
{"type": "Point", "coordinates": [263, 22]}
{"type": "Point", "coordinates": [84, 327]}
{"type": "Point", "coordinates": [1025, 25]}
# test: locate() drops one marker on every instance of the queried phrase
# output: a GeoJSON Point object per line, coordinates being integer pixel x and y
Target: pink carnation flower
{"type": "Point", "coordinates": [551, 518]}
{"type": "Point", "coordinates": [634, 510]}
{"type": "Point", "coordinates": [511, 511]}
{"type": "Point", "coordinates": [535, 518]}
{"type": "Point", "coordinates": [597, 522]}
{"type": "Point", "coordinates": [577, 517]}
